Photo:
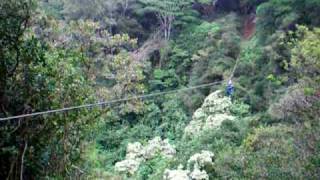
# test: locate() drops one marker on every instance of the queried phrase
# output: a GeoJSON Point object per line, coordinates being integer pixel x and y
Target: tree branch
{"type": "Point", "coordinates": [11, 169]}
{"type": "Point", "coordinates": [22, 159]}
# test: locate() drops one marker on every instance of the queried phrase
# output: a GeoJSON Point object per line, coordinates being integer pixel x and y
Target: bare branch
{"type": "Point", "coordinates": [22, 160]}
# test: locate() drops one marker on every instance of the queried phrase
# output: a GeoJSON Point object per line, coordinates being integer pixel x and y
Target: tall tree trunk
{"type": "Point", "coordinates": [169, 27]}
{"type": "Point", "coordinates": [3, 81]}
{"type": "Point", "coordinates": [165, 27]}
{"type": "Point", "coordinates": [125, 8]}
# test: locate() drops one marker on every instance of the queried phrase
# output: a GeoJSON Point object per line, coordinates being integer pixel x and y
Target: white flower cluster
{"type": "Point", "coordinates": [212, 113]}
{"type": "Point", "coordinates": [216, 102]}
{"type": "Point", "coordinates": [197, 174]}
{"type": "Point", "coordinates": [201, 160]}
{"type": "Point", "coordinates": [216, 120]}
{"type": "Point", "coordinates": [178, 174]}
{"type": "Point", "coordinates": [128, 166]}
{"type": "Point", "coordinates": [195, 164]}
{"type": "Point", "coordinates": [136, 154]}
{"type": "Point", "coordinates": [156, 146]}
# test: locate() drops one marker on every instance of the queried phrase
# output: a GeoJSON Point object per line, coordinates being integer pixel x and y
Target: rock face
{"type": "Point", "coordinates": [195, 170]}
{"type": "Point", "coordinates": [212, 113]}
{"type": "Point", "coordinates": [249, 27]}
{"type": "Point", "coordinates": [136, 154]}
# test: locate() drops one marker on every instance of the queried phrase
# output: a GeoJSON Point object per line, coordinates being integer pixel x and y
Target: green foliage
{"type": "Point", "coordinates": [153, 169]}
{"type": "Point", "coordinates": [212, 49]}
{"type": "Point", "coordinates": [173, 119]}
{"type": "Point", "coordinates": [57, 82]}
{"type": "Point", "coordinates": [67, 86]}
{"type": "Point", "coordinates": [206, 28]}
{"type": "Point", "coordinates": [253, 3]}
{"type": "Point", "coordinates": [306, 53]}
{"type": "Point", "coordinates": [251, 52]}
{"type": "Point", "coordinates": [240, 109]}
{"type": "Point", "coordinates": [276, 15]}
{"type": "Point", "coordinates": [77, 9]}
{"type": "Point", "coordinates": [268, 153]}
{"type": "Point", "coordinates": [204, 1]}
{"type": "Point", "coordinates": [167, 11]}
{"type": "Point", "coordinates": [53, 8]}
{"type": "Point", "coordinates": [273, 150]}
{"type": "Point", "coordinates": [164, 79]}
{"type": "Point", "coordinates": [73, 52]}
{"type": "Point", "coordinates": [165, 7]}
{"type": "Point", "coordinates": [114, 140]}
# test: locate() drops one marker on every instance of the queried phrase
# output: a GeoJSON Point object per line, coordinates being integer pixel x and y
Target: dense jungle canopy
{"type": "Point", "coordinates": [58, 54]}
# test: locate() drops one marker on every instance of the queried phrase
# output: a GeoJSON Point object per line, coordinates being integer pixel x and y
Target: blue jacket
{"type": "Point", "coordinates": [230, 89]}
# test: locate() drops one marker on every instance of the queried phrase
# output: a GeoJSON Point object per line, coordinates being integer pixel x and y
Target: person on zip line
{"type": "Point", "coordinates": [230, 88]}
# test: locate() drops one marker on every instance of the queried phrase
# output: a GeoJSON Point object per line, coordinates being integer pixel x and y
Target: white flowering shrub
{"type": "Point", "coordinates": [195, 170]}
{"type": "Point", "coordinates": [214, 110]}
{"type": "Point", "coordinates": [197, 174]}
{"type": "Point", "coordinates": [193, 128]}
{"type": "Point", "coordinates": [216, 102]}
{"type": "Point", "coordinates": [200, 160]}
{"type": "Point", "coordinates": [134, 150]}
{"type": "Point", "coordinates": [199, 114]}
{"type": "Point", "coordinates": [214, 121]}
{"type": "Point", "coordinates": [156, 146]}
{"type": "Point", "coordinates": [178, 174]}
{"type": "Point", "coordinates": [128, 166]}
{"type": "Point", "coordinates": [136, 154]}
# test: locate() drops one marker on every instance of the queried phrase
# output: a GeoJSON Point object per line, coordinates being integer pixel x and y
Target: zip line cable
{"type": "Point", "coordinates": [106, 103]}
{"type": "Point", "coordinates": [234, 68]}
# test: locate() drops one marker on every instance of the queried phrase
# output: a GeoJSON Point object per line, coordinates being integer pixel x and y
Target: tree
{"type": "Point", "coordinates": [306, 53]}
{"type": "Point", "coordinates": [14, 17]}
{"type": "Point", "coordinates": [167, 11]}
{"type": "Point", "coordinates": [37, 76]}
{"type": "Point", "coordinates": [125, 5]}
{"type": "Point", "coordinates": [83, 9]}
{"type": "Point", "coordinates": [275, 15]}
{"type": "Point", "coordinates": [52, 7]}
